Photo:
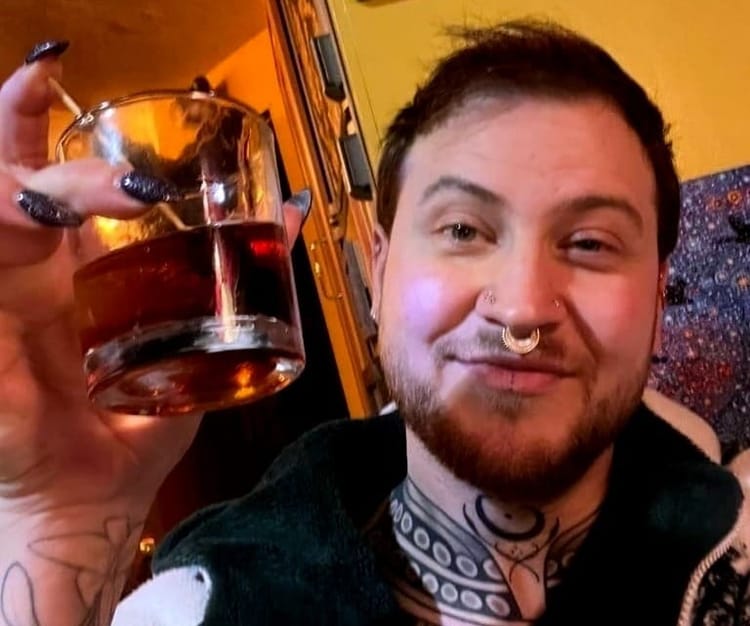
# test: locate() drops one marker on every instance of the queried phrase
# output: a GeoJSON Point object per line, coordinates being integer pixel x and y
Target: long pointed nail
{"type": "Point", "coordinates": [302, 200]}
{"type": "Point", "coordinates": [148, 189]}
{"type": "Point", "coordinates": [200, 83]}
{"type": "Point", "coordinates": [46, 49]}
{"type": "Point", "coordinates": [45, 210]}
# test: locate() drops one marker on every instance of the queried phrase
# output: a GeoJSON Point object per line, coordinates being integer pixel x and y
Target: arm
{"type": "Point", "coordinates": [75, 482]}
{"type": "Point", "coordinates": [67, 570]}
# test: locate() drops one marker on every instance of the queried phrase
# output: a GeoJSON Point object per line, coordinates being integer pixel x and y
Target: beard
{"type": "Point", "coordinates": [482, 437]}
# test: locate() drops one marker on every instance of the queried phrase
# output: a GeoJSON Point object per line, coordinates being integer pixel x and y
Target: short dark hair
{"type": "Point", "coordinates": [535, 59]}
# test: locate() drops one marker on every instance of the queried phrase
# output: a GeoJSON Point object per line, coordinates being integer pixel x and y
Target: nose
{"type": "Point", "coordinates": [525, 292]}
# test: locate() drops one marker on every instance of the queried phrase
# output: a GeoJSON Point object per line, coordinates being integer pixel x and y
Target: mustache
{"type": "Point", "coordinates": [487, 343]}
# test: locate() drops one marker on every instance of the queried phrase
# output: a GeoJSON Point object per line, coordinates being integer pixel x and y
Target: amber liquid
{"type": "Point", "coordinates": [196, 320]}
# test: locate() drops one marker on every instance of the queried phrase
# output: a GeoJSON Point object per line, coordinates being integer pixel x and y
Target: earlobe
{"type": "Point", "coordinates": [379, 255]}
{"type": "Point", "coordinates": [660, 305]}
{"type": "Point", "coordinates": [662, 285]}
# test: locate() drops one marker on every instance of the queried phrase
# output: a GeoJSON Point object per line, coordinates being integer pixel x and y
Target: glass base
{"type": "Point", "coordinates": [195, 365]}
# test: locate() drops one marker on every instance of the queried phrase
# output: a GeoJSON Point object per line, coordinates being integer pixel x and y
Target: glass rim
{"type": "Point", "coordinates": [91, 115]}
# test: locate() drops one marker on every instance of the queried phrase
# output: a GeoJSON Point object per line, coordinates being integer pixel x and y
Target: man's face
{"type": "Point", "coordinates": [549, 206]}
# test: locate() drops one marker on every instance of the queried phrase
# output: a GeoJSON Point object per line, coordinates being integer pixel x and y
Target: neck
{"type": "Point", "coordinates": [478, 559]}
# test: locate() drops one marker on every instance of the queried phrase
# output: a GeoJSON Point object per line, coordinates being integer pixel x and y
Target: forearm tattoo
{"type": "Point", "coordinates": [97, 560]}
{"type": "Point", "coordinates": [486, 576]}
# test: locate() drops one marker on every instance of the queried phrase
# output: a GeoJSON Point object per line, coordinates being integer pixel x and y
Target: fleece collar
{"type": "Point", "coordinates": [292, 551]}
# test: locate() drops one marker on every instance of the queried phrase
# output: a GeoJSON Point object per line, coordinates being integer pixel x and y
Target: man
{"type": "Point", "coordinates": [527, 204]}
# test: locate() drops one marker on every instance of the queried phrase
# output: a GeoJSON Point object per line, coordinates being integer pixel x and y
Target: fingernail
{"type": "Point", "coordinates": [45, 210]}
{"type": "Point", "coordinates": [46, 49]}
{"type": "Point", "coordinates": [200, 83]}
{"type": "Point", "coordinates": [302, 200]}
{"type": "Point", "coordinates": [147, 189]}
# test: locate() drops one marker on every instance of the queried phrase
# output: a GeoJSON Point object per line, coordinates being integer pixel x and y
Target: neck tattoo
{"type": "Point", "coordinates": [487, 568]}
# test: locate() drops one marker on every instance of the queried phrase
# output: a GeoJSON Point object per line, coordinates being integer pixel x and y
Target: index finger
{"type": "Point", "coordinates": [25, 99]}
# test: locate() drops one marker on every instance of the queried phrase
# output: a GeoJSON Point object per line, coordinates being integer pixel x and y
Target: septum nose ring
{"type": "Point", "coordinates": [518, 345]}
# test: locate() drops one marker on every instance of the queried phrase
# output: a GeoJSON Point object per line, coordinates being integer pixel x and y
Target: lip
{"type": "Point", "coordinates": [531, 378]}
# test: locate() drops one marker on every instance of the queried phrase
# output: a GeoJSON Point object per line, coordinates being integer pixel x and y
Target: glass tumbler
{"type": "Point", "coordinates": [190, 306]}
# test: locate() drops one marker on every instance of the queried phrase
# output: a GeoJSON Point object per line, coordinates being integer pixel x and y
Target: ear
{"type": "Point", "coordinates": [660, 305]}
{"type": "Point", "coordinates": [379, 256]}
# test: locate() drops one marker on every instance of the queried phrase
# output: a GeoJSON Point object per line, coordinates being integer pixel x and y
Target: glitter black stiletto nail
{"type": "Point", "coordinates": [46, 49]}
{"type": "Point", "coordinates": [47, 211]}
{"type": "Point", "coordinates": [148, 189]}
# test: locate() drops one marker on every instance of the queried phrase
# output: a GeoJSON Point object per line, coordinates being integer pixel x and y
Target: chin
{"type": "Point", "coordinates": [523, 453]}
{"type": "Point", "coordinates": [522, 447]}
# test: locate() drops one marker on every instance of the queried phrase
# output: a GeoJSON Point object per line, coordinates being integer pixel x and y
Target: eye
{"type": "Point", "coordinates": [594, 249]}
{"type": "Point", "coordinates": [593, 241]}
{"type": "Point", "coordinates": [460, 232]}
{"type": "Point", "coordinates": [589, 245]}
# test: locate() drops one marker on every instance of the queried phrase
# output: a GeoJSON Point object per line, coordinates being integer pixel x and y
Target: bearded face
{"type": "Point", "coordinates": [542, 216]}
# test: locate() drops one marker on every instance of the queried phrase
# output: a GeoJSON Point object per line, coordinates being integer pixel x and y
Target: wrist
{"type": "Point", "coordinates": [108, 534]}
{"type": "Point", "coordinates": [62, 505]}
{"type": "Point", "coordinates": [71, 563]}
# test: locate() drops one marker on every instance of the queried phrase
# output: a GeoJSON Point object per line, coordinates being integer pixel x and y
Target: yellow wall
{"type": "Point", "coordinates": [693, 56]}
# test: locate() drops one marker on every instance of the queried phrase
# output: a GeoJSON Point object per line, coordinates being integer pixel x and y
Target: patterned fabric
{"type": "Point", "coordinates": [706, 330]}
{"type": "Point", "coordinates": [723, 595]}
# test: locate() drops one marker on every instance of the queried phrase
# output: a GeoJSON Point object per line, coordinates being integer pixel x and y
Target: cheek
{"type": "Point", "coordinates": [425, 305]}
{"type": "Point", "coordinates": [621, 324]}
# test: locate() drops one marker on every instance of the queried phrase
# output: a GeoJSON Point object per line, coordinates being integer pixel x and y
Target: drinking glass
{"type": "Point", "coordinates": [191, 306]}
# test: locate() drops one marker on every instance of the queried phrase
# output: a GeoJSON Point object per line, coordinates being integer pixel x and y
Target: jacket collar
{"type": "Point", "coordinates": [667, 507]}
{"type": "Point", "coordinates": [291, 552]}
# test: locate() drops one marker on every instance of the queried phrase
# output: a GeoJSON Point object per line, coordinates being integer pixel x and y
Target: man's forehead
{"type": "Point", "coordinates": [462, 116]}
{"type": "Point", "coordinates": [498, 143]}
{"type": "Point", "coordinates": [469, 126]}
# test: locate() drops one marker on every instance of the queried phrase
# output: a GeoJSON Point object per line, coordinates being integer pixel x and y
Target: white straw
{"type": "Point", "coordinates": [66, 98]}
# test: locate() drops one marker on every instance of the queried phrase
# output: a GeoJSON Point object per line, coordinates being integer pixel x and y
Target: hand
{"type": "Point", "coordinates": [57, 451]}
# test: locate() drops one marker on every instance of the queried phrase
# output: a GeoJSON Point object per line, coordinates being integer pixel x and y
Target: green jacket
{"type": "Point", "coordinates": [666, 548]}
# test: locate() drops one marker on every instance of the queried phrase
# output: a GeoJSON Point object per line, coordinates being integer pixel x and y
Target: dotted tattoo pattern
{"type": "Point", "coordinates": [434, 563]}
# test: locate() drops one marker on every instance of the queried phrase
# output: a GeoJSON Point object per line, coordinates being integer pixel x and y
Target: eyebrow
{"type": "Point", "coordinates": [579, 205]}
{"type": "Point", "coordinates": [591, 202]}
{"type": "Point", "coordinates": [455, 183]}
